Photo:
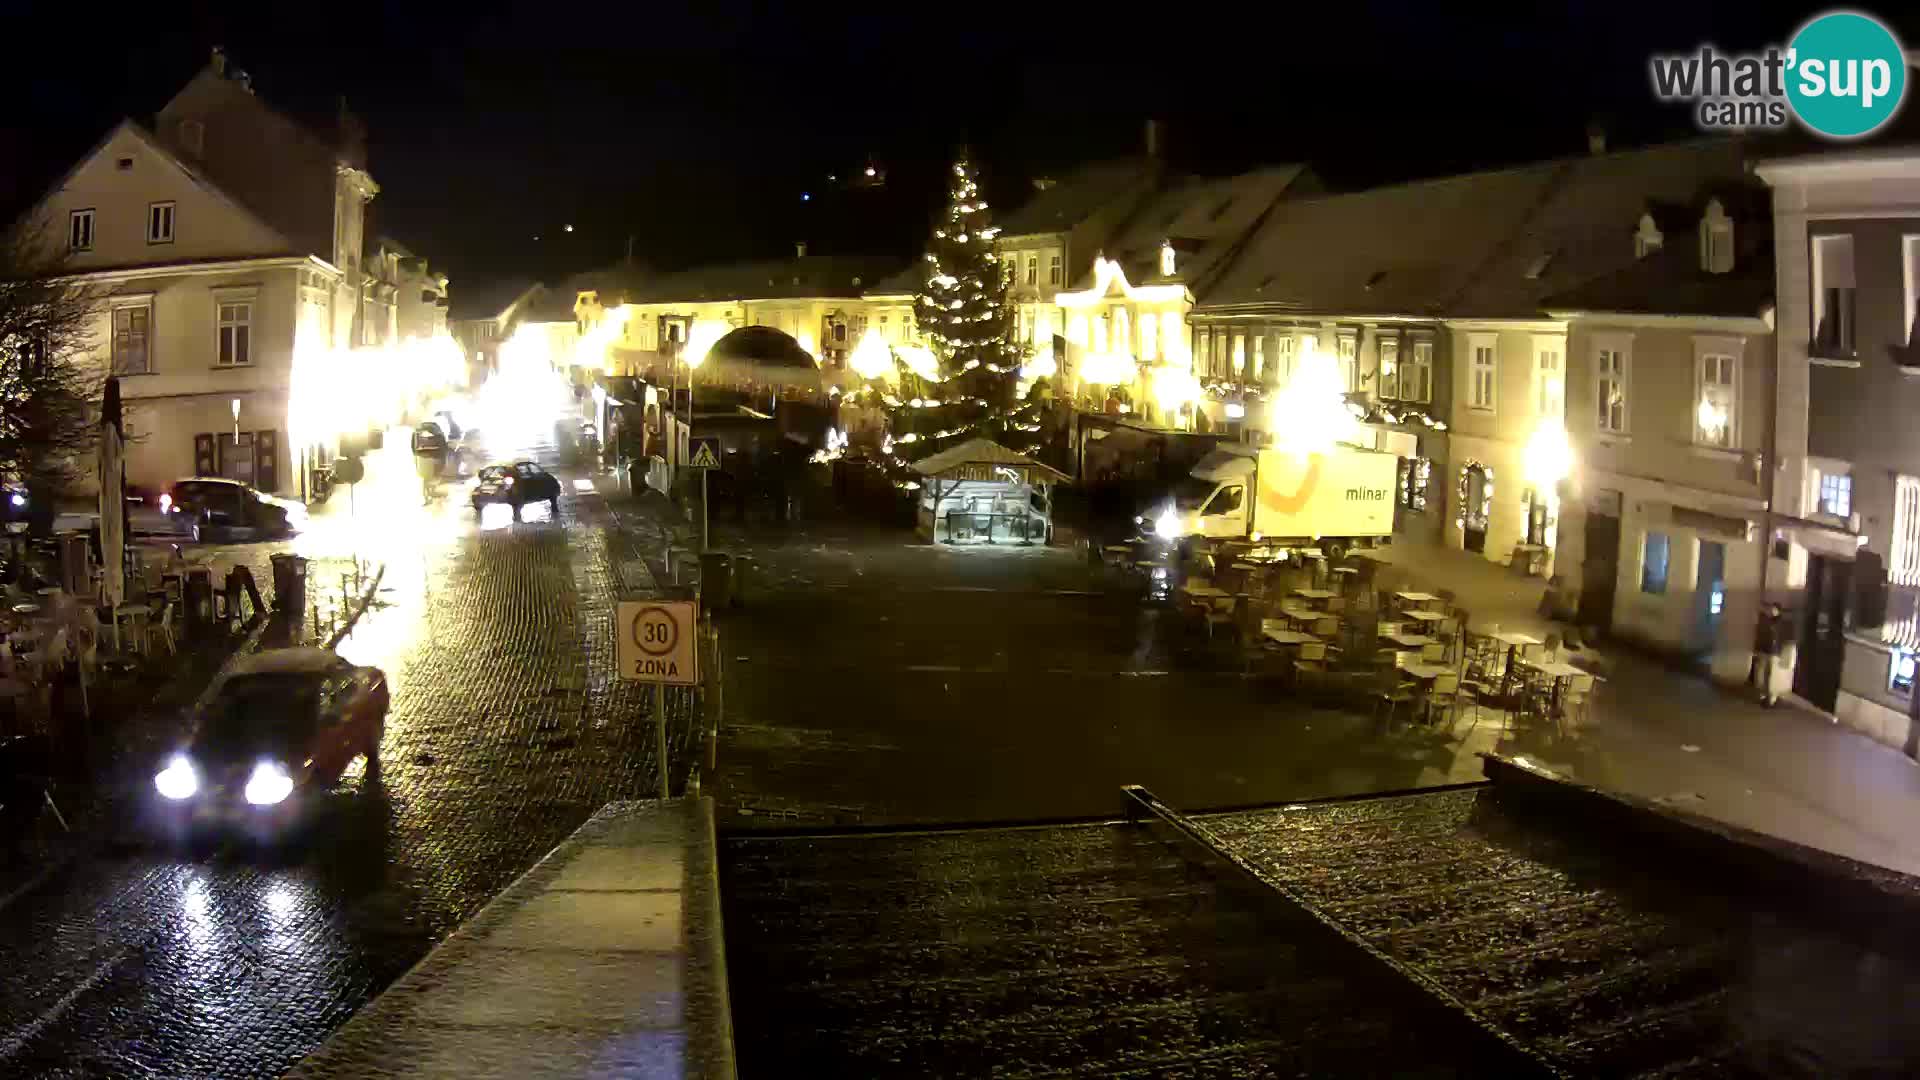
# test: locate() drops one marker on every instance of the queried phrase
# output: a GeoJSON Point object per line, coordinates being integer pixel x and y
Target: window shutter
{"type": "Point", "coordinates": [203, 463]}
{"type": "Point", "coordinates": [266, 460]}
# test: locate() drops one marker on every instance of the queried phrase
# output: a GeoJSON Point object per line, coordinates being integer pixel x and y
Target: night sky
{"type": "Point", "coordinates": [694, 132]}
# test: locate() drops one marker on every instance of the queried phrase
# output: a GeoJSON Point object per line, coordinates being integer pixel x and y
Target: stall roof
{"type": "Point", "coordinates": [979, 451]}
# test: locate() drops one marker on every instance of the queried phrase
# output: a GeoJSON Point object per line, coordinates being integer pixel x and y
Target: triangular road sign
{"type": "Point", "coordinates": [703, 457]}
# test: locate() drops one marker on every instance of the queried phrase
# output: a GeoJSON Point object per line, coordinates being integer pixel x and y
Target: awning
{"type": "Point", "coordinates": [1820, 537]}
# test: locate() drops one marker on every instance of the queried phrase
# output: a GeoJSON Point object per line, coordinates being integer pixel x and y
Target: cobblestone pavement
{"type": "Point", "coordinates": [506, 731]}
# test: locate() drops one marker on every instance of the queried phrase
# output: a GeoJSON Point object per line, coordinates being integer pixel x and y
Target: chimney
{"type": "Point", "coordinates": [1153, 138]}
{"type": "Point", "coordinates": [1596, 140]}
{"type": "Point", "coordinates": [800, 250]}
{"type": "Point", "coordinates": [219, 60]}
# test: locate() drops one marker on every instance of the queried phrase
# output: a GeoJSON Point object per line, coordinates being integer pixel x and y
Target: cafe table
{"type": "Point", "coordinates": [1409, 641]}
{"type": "Point", "coordinates": [1273, 631]}
{"type": "Point", "coordinates": [1318, 595]}
{"type": "Point", "coordinates": [1514, 641]}
{"type": "Point", "coordinates": [1424, 616]}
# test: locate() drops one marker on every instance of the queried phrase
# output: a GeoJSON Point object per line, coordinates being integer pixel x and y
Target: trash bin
{"type": "Point", "coordinates": [716, 580]}
{"type": "Point", "coordinates": [744, 570]}
{"type": "Point", "coordinates": [200, 618]}
{"type": "Point", "coordinates": [289, 583]}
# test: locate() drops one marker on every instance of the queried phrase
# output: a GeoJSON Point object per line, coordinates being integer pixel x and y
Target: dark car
{"type": "Point", "coordinates": [284, 723]}
{"type": "Point", "coordinates": [516, 485]}
{"type": "Point", "coordinates": [212, 508]}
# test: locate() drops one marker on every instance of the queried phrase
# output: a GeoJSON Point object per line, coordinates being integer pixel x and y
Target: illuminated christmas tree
{"type": "Point", "coordinates": [963, 316]}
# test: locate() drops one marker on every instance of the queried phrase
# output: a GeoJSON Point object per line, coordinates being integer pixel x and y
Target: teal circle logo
{"type": "Point", "coordinates": [1846, 74]}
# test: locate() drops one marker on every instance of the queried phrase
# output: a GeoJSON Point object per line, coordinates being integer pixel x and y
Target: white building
{"type": "Point", "coordinates": [227, 241]}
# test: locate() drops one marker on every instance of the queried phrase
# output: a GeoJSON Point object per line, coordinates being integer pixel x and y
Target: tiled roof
{"type": "Point", "coordinates": [1671, 282]}
{"type": "Point", "coordinates": [772, 279]}
{"type": "Point", "coordinates": [978, 451]}
{"type": "Point", "coordinates": [485, 300]}
{"type": "Point", "coordinates": [1487, 245]}
{"type": "Point", "coordinates": [1205, 219]}
{"type": "Point", "coordinates": [1078, 196]}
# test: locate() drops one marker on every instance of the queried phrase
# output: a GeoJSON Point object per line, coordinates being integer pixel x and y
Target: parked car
{"type": "Point", "coordinates": [144, 516]}
{"type": "Point", "coordinates": [280, 727]}
{"type": "Point", "coordinates": [214, 509]}
{"type": "Point", "coordinates": [516, 484]}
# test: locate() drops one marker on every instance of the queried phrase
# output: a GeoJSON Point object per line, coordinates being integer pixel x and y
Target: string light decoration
{"type": "Point", "coordinates": [969, 355]}
{"type": "Point", "coordinates": [1484, 511]}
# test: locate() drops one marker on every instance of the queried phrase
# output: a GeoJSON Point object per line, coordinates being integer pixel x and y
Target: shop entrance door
{"type": "Point", "coordinates": [1816, 674]}
{"type": "Point", "coordinates": [1474, 514]}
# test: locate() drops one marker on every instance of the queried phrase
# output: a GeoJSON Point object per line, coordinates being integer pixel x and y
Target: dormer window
{"type": "Point", "coordinates": [1716, 239]}
{"type": "Point", "coordinates": [193, 136]}
{"type": "Point", "coordinates": [1647, 239]}
{"type": "Point", "coordinates": [1538, 266]}
{"type": "Point", "coordinates": [1166, 258]}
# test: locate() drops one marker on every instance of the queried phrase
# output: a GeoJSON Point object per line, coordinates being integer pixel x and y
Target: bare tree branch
{"type": "Point", "coordinates": [50, 388]}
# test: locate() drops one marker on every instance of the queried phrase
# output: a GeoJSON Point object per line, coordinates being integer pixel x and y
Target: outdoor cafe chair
{"type": "Point", "coordinates": [1390, 692]}
{"type": "Point", "coordinates": [1443, 695]}
{"type": "Point", "coordinates": [1326, 626]}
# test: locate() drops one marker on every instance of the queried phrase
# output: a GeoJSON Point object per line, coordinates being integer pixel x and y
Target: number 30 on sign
{"type": "Point", "coordinates": [655, 641]}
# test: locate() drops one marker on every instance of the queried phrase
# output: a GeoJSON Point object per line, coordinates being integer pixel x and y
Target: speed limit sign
{"type": "Point", "coordinates": [655, 641]}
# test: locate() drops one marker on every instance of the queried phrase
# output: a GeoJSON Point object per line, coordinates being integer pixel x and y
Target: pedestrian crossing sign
{"type": "Point", "coordinates": [706, 454]}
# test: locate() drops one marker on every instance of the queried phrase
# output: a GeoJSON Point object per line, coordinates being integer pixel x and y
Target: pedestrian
{"type": "Point", "coordinates": [429, 458]}
{"type": "Point", "coordinates": [1766, 651]}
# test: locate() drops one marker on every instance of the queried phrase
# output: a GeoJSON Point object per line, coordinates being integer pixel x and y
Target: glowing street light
{"type": "Point", "coordinates": [1549, 457]}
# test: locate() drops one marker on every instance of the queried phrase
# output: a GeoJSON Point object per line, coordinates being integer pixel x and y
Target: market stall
{"type": "Point", "coordinates": [980, 492]}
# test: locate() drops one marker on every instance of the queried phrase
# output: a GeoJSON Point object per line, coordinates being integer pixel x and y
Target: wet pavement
{"type": "Point", "coordinates": [934, 684]}
{"type": "Point", "coordinates": [506, 731]}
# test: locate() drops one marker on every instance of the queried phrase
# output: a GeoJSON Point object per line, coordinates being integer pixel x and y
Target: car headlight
{"type": "Point", "coordinates": [1168, 526]}
{"type": "Point", "coordinates": [178, 780]}
{"type": "Point", "coordinates": [269, 784]}
{"type": "Point", "coordinates": [19, 499]}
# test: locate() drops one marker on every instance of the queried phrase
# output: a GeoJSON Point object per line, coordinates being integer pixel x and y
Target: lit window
{"type": "Point", "coordinates": [1904, 567]}
{"type": "Point", "coordinates": [130, 339]}
{"type": "Point", "coordinates": [1149, 336]}
{"type": "Point", "coordinates": [1283, 359]}
{"type": "Point", "coordinates": [1900, 671]}
{"type": "Point", "coordinates": [1033, 269]}
{"type": "Point", "coordinates": [160, 223]}
{"type": "Point", "coordinates": [1347, 352]}
{"type": "Point", "coordinates": [1259, 355]}
{"type": "Point", "coordinates": [236, 333]}
{"type": "Point", "coordinates": [1717, 599]}
{"type": "Point", "coordinates": [1481, 394]}
{"type": "Point", "coordinates": [1239, 352]}
{"type": "Point", "coordinates": [1833, 306]}
{"type": "Point", "coordinates": [1610, 373]}
{"type": "Point", "coordinates": [80, 230]}
{"type": "Point", "coordinates": [1389, 367]}
{"type": "Point", "coordinates": [1714, 415]}
{"type": "Point", "coordinates": [1836, 494]}
{"type": "Point", "coordinates": [1166, 259]}
{"type": "Point", "coordinates": [1053, 270]}
{"type": "Point", "coordinates": [1549, 382]}
{"type": "Point", "coordinates": [1416, 379]}
{"type": "Point", "coordinates": [1653, 564]}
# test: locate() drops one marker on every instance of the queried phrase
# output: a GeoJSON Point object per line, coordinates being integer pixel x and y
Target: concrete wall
{"type": "Point", "coordinates": [186, 393]}
{"type": "Point", "coordinates": [1495, 437]}
{"type": "Point", "coordinates": [1662, 401]}
{"type": "Point", "coordinates": [206, 224]}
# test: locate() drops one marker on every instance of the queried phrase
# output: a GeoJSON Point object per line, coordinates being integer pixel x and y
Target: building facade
{"type": "Point", "coordinates": [1669, 402]}
{"type": "Point", "coordinates": [1845, 550]}
{"type": "Point", "coordinates": [226, 243]}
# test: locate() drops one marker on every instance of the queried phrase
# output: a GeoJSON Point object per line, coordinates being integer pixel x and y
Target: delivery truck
{"type": "Point", "coordinates": [1258, 497]}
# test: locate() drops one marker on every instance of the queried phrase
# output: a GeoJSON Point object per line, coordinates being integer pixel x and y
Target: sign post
{"type": "Point", "coordinates": [706, 455]}
{"type": "Point", "coordinates": [655, 641]}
